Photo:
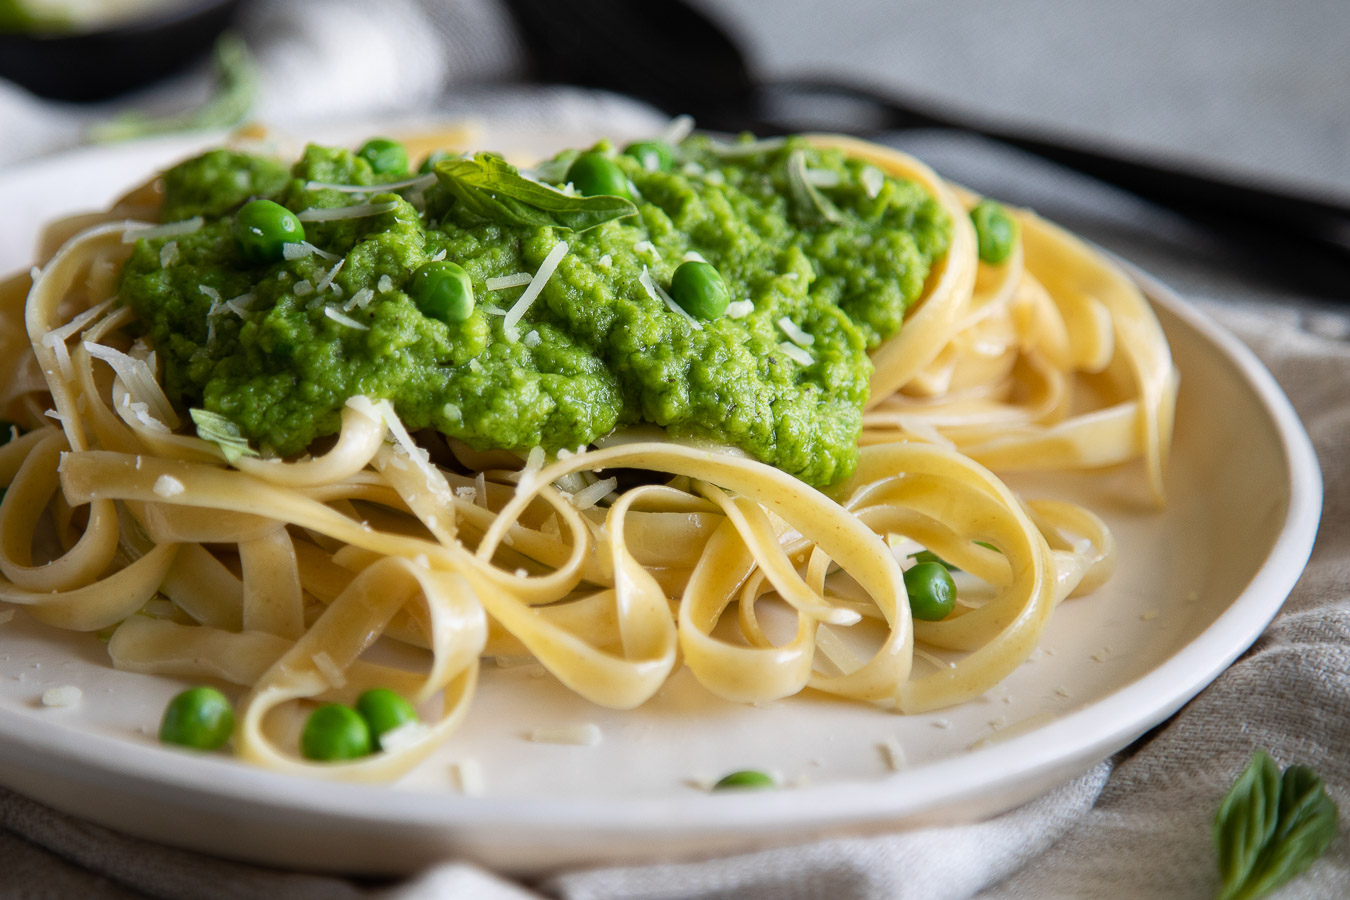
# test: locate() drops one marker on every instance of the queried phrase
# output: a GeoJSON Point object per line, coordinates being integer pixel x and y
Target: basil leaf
{"type": "Point", "coordinates": [810, 206]}
{"type": "Point", "coordinates": [1307, 824]}
{"type": "Point", "coordinates": [1246, 821]}
{"type": "Point", "coordinates": [1270, 828]}
{"type": "Point", "coordinates": [220, 431]}
{"type": "Point", "coordinates": [490, 188]}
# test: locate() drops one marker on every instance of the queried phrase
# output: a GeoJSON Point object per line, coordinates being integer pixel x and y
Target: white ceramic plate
{"type": "Point", "coordinates": [1196, 585]}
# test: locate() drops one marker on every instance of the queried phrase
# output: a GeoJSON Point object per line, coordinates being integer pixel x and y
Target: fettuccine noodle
{"type": "Point", "coordinates": [279, 575]}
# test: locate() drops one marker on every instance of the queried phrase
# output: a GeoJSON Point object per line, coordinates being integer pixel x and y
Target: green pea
{"type": "Point", "coordinates": [200, 717]}
{"type": "Point", "coordinates": [442, 290]}
{"type": "Point", "coordinates": [655, 156]}
{"type": "Point", "coordinates": [932, 593]}
{"type": "Point", "coordinates": [996, 231]}
{"type": "Point", "coordinates": [594, 173]}
{"type": "Point", "coordinates": [384, 711]}
{"type": "Point", "coordinates": [386, 157]}
{"type": "Point", "coordinates": [263, 228]}
{"type": "Point", "coordinates": [333, 732]}
{"type": "Point", "coordinates": [429, 163]}
{"type": "Point", "coordinates": [699, 289]}
{"type": "Point", "coordinates": [743, 780]}
{"type": "Point", "coordinates": [928, 556]}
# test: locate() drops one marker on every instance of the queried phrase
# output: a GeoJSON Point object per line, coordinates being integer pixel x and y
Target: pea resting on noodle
{"type": "Point", "coordinates": [210, 559]}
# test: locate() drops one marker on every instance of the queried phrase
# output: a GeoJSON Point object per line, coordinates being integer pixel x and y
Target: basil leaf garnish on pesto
{"type": "Point", "coordinates": [1270, 827]}
{"type": "Point", "coordinates": [809, 205]}
{"type": "Point", "coordinates": [492, 189]}
{"type": "Point", "coordinates": [223, 433]}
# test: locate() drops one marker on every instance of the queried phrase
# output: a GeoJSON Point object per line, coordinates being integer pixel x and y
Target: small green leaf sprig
{"type": "Point", "coordinates": [1270, 827]}
{"type": "Point", "coordinates": [492, 189]}
{"type": "Point", "coordinates": [223, 433]}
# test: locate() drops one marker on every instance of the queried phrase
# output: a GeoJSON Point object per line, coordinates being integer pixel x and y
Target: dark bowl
{"type": "Point", "coordinates": [95, 65]}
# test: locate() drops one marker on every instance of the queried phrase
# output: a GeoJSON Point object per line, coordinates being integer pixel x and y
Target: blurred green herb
{"type": "Point", "coordinates": [17, 16]}
{"type": "Point", "coordinates": [235, 93]}
{"type": "Point", "coordinates": [1270, 827]}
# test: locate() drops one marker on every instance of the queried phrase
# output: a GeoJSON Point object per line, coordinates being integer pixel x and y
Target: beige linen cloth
{"type": "Point", "coordinates": [1136, 825]}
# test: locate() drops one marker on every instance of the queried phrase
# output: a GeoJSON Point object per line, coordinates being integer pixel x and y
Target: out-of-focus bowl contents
{"type": "Point", "coordinates": [87, 50]}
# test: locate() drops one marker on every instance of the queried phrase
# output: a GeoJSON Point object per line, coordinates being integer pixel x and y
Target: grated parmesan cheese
{"type": "Point", "coordinates": [795, 353]}
{"type": "Point", "coordinates": [66, 695]}
{"type": "Point", "coordinates": [336, 315]}
{"type": "Point", "coordinates": [587, 735]}
{"type": "Point", "coordinates": [420, 182]}
{"type": "Point", "coordinates": [385, 284]}
{"type": "Point", "coordinates": [403, 737]}
{"type": "Point", "coordinates": [78, 323]}
{"type": "Point", "coordinates": [678, 129]}
{"type": "Point", "coordinates": [892, 754]}
{"type": "Point", "coordinates": [328, 277]}
{"type": "Point", "coordinates": [168, 486]}
{"type": "Point", "coordinates": [502, 282]}
{"type": "Point", "coordinates": [589, 496]}
{"type": "Point", "coordinates": [210, 292]}
{"type": "Point", "coordinates": [468, 775]}
{"type": "Point", "coordinates": [655, 291]}
{"type": "Point", "coordinates": [138, 380]}
{"type": "Point", "coordinates": [532, 339]}
{"type": "Point", "coordinates": [872, 181]}
{"type": "Point", "coordinates": [605, 261]}
{"type": "Point", "coordinates": [359, 211]}
{"type": "Point", "coordinates": [172, 229]}
{"type": "Point", "coordinates": [546, 269]}
{"type": "Point", "coordinates": [359, 300]}
{"type": "Point", "coordinates": [822, 177]}
{"type": "Point", "coordinates": [438, 255]}
{"type": "Point", "coordinates": [694, 256]}
{"type": "Point", "coordinates": [795, 334]}
{"type": "Point", "coordinates": [62, 354]}
{"type": "Point", "coordinates": [168, 254]}
{"type": "Point", "coordinates": [331, 671]}
{"type": "Point", "coordinates": [739, 309]}
{"type": "Point", "coordinates": [303, 288]}
{"type": "Point", "coordinates": [644, 247]}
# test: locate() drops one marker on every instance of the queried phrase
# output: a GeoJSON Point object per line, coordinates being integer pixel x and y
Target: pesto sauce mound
{"type": "Point", "coordinates": [595, 351]}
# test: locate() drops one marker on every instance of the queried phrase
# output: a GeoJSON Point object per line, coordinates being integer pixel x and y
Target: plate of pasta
{"type": "Point", "coordinates": [514, 507]}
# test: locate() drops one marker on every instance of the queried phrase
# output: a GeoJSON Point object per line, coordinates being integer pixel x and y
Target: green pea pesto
{"type": "Point", "coordinates": [594, 352]}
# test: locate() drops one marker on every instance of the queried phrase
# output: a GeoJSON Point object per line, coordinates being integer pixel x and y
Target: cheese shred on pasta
{"type": "Point", "coordinates": [280, 574]}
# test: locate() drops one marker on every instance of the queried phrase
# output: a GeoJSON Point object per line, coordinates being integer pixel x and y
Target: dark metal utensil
{"type": "Point", "coordinates": [672, 55]}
